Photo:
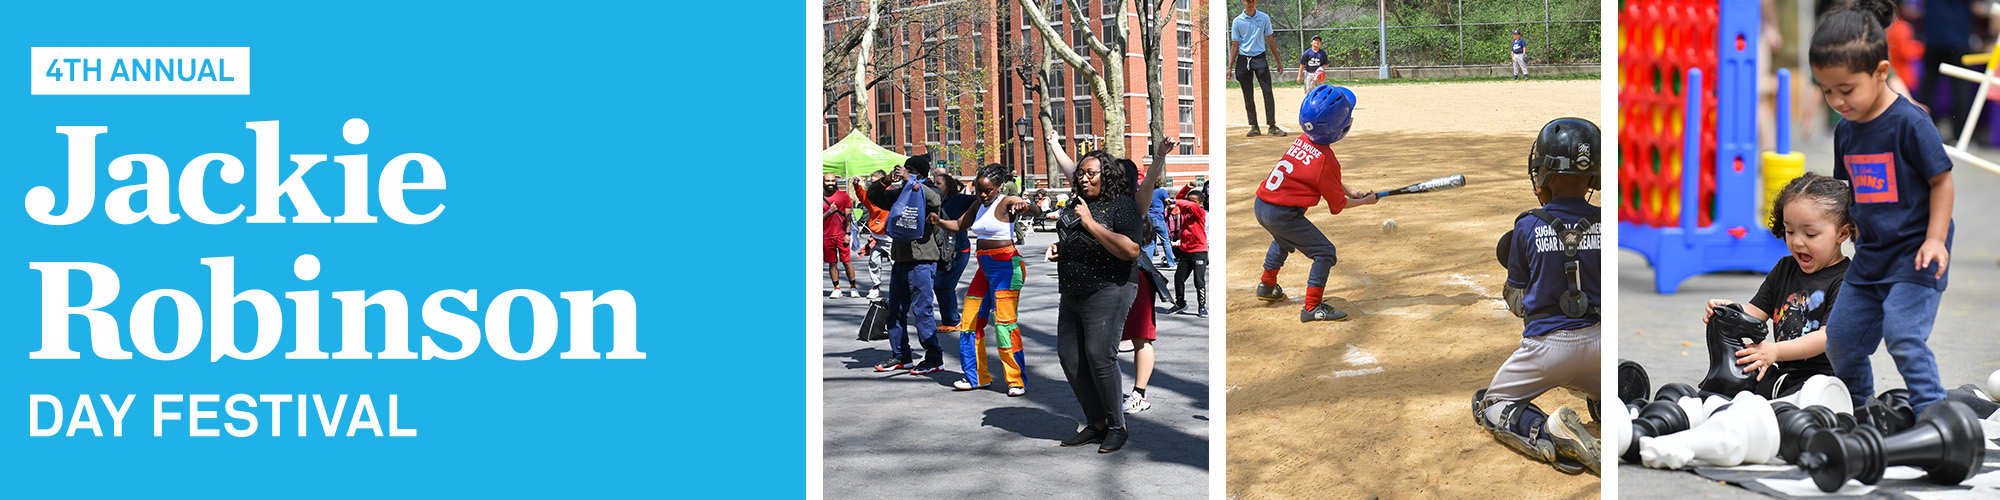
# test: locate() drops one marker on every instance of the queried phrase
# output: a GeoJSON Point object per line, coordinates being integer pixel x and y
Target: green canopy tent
{"type": "Point", "coordinates": [856, 155]}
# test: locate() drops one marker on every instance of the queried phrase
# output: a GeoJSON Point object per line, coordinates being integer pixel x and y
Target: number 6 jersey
{"type": "Point", "coordinates": [1306, 174]}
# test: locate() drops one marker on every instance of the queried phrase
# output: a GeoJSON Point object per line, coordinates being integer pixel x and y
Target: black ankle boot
{"type": "Point", "coordinates": [1727, 330]}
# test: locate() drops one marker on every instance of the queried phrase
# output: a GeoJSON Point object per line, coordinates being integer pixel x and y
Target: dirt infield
{"type": "Point", "coordinates": [1380, 405]}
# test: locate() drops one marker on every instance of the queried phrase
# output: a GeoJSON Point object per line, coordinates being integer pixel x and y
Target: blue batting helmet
{"type": "Point", "coordinates": [1327, 113]}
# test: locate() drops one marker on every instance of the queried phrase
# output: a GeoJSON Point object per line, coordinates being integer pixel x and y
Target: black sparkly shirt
{"type": "Point", "coordinates": [1083, 264]}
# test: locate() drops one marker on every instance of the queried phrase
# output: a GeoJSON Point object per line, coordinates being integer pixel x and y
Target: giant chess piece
{"type": "Point", "coordinates": [1658, 418]}
{"type": "Point", "coordinates": [1796, 425]}
{"type": "Point", "coordinates": [1745, 433]}
{"type": "Point", "coordinates": [1674, 392]}
{"type": "Point", "coordinates": [1889, 412]}
{"type": "Point", "coordinates": [1632, 381]}
{"type": "Point", "coordinates": [1729, 329]}
{"type": "Point", "coordinates": [1822, 390]}
{"type": "Point", "coordinates": [1947, 442]}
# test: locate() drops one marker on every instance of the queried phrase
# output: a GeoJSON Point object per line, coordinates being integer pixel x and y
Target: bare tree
{"type": "Point", "coordinates": [1106, 84]}
{"type": "Point", "coordinates": [860, 59]}
{"type": "Point", "coordinates": [1033, 68]}
{"type": "Point", "coordinates": [1152, 26]}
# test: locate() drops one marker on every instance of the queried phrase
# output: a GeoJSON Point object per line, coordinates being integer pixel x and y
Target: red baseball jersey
{"type": "Point", "coordinates": [1307, 173]}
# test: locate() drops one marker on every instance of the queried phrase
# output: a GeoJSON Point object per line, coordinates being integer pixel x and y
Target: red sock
{"type": "Point", "coordinates": [1312, 296]}
{"type": "Point", "coordinates": [1270, 277]}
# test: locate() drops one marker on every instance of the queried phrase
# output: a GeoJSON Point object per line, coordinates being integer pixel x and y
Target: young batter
{"type": "Point", "coordinates": [1307, 173]}
{"type": "Point", "coordinates": [1552, 259]}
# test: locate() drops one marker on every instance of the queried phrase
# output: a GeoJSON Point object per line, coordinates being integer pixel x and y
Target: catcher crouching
{"type": "Point", "coordinates": [1552, 260]}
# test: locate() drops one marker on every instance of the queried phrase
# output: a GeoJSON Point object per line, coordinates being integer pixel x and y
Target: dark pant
{"type": "Point", "coordinates": [1954, 100]}
{"type": "Point", "coordinates": [1195, 263]}
{"type": "Point", "coordinates": [911, 298]}
{"type": "Point", "coordinates": [1898, 314]}
{"type": "Point", "coordinates": [1087, 330]}
{"type": "Point", "coordinates": [1257, 67]}
{"type": "Point", "coordinates": [1292, 231]}
{"type": "Point", "coordinates": [947, 287]}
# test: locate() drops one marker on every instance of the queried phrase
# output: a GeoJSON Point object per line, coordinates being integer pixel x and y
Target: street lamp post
{"type": "Point", "coordinates": [1022, 129]}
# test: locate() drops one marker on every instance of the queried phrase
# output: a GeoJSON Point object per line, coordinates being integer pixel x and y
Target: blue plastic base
{"type": "Point", "coordinates": [1678, 254]}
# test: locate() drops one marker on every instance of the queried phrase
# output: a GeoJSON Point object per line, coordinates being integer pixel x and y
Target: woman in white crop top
{"type": "Point", "coordinates": [995, 293]}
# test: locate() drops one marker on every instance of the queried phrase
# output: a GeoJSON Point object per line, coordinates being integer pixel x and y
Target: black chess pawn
{"type": "Point", "coordinates": [1632, 381]}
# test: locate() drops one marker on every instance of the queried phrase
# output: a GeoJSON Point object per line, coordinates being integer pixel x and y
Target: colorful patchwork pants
{"type": "Point", "coordinates": [995, 294]}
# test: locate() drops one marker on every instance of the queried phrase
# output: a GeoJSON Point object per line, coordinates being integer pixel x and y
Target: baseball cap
{"type": "Point", "coordinates": [1517, 32]}
{"type": "Point", "coordinates": [1315, 37]}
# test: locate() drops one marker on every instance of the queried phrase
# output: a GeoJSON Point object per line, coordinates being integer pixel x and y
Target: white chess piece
{"type": "Point", "coordinates": [1746, 433]}
{"type": "Point", "coordinates": [1823, 390]}
{"type": "Point", "coordinates": [1993, 385]}
{"type": "Point", "coordinates": [1618, 428]}
{"type": "Point", "coordinates": [1694, 409]}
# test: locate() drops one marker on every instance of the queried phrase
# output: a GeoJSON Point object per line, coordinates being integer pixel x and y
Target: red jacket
{"type": "Point", "coordinates": [1306, 174]}
{"type": "Point", "coordinates": [1191, 222]}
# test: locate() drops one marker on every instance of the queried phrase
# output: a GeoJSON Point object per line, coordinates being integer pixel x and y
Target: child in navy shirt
{"type": "Point", "coordinates": [1311, 66]}
{"type": "Point", "coordinates": [1519, 49]}
{"type": "Point", "coordinates": [1892, 157]}
{"type": "Point", "coordinates": [1553, 260]}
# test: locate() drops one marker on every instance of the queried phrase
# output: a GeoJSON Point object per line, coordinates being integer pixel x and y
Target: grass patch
{"type": "Point", "coordinates": [1292, 84]}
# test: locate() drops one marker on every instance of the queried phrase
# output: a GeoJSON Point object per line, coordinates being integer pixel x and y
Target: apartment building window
{"type": "Point", "coordinates": [1083, 117]}
{"type": "Point", "coordinates": [831, 124]}
{"type": "Point", "coordinates": [883, 132]}
{"type": "Point", "coordinates": [1181, 5]}
{"type": "Point", "coordinates": [1187, 117]}
{"type": "Point", "coordinates": [882, 99]}
{"type": "Point", "coordinates": [1082, 85]}
{"type": "Point", "coordinates": [1184, 39]}
{"type": "Point", "coordinates": [1059, 118]}
{"type": "Point", "coordinates": [1186, 78]}
{"type": "Point", "coordinates": [931, 129]}
{"type": "Point", "coordinates": [1056, 83]}
{"type": "Point", "coordinates": [931, 92]}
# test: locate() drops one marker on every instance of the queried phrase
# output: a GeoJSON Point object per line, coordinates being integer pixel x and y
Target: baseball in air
{"type": "Point", "coordinates": [1389, 226]}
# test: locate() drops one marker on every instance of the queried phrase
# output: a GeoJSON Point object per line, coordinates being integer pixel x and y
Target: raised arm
{"type": "Point", "coordinates": [1062, 160]}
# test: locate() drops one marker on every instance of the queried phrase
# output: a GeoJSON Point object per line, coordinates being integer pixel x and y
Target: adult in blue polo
{"type": "Point", "coordinates": [1254, 39]}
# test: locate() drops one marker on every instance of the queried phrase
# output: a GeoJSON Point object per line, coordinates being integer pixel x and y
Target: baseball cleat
{"type": "Point", "coordinates": [1254, 132]}
{"type": "Point", "coordinates": [1321, 312]}
{"type": "Point", "coordinates": [1270, 293]}
{"type": "Point", "coordinates": [1277, 132]}
{"type": "Point", "coordinates": [1574, 445]}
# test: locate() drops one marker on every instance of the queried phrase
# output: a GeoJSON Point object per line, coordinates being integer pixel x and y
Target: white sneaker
{"type": "Point", "coordinates": [874, 294]}
{"type": "Point", "coordinates": [1125, 346]}
{"type": "Point", "coordinates": [1134, 403]}
{"type": "Point", "coordinates": [854, 293]}
{"type": "Point", "coordinates": [834, 295]}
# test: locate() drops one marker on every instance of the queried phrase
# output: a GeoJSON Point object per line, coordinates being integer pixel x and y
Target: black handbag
{"type": "Point", "coordinates": [875, 325]}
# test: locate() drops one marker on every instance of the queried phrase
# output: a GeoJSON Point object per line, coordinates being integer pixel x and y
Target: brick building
{"type": "Point", "coordinates": [910, 119]}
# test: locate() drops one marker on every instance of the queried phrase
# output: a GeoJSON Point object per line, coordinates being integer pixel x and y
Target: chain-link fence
{"type": "Point", "coordinates": [1431, 33]}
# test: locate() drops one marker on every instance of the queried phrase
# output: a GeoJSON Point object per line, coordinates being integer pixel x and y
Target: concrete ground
{"type": "Point", "coordinates": [1664, 332]}
{"type": "Point", "coordinates": [895, 435]}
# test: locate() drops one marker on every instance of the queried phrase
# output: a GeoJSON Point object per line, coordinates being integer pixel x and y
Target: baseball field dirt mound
{"type": "Point", "coordinates": [1380, 405]}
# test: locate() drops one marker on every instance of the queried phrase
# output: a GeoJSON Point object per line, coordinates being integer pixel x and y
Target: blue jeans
{"type": "Point", "coordinates": [911, 299]}
{"type": "Point", "coordinates": [946, 289]}
{"type": "Point", "coordinates": [1292, 231]}
{"type": "Point", "coordinates": [1899, 314]}
{"type": "Point", "coordinates": [1159, 241]}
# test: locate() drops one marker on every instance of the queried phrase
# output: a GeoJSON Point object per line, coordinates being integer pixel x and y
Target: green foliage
{"type": "Point", "coordinates": [1433, 32]}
